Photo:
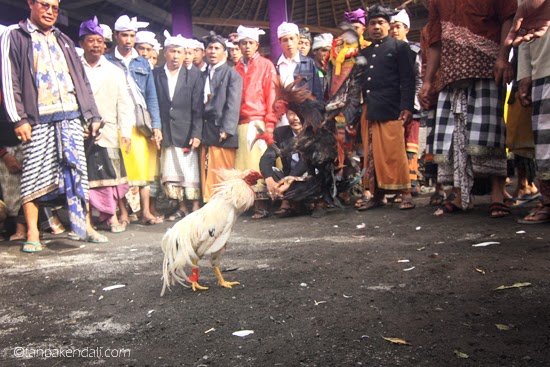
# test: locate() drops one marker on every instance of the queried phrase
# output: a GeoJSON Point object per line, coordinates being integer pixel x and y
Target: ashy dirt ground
{"type": "Point", "coordinates": [316, 292]}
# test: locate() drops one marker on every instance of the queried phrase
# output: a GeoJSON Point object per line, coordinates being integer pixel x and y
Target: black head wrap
{"type": "Point", "coordinates": [378, 11]}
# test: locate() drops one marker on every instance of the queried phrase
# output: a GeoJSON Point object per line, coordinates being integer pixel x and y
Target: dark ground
{"type": "Point", "coordinates": [316, 292]}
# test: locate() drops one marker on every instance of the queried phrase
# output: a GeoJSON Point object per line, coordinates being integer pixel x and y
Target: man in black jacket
{"type": "Point", "coordinates": [388, 90]}
{"type": "Point", "coordinates": [47, 98]}
{"type": "Point", "coordinates": [180, 94]}
{"type": "Point", "coordinates": [222, 103]}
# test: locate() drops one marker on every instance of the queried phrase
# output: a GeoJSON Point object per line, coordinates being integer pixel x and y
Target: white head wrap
{"type": "Point", "coordinates": [322, 40]}
{"type": "Point", "coordinates": [157, 46]}
{"type": "Point", "coordinates": [145, 37]}
{"type": "Point", "coordinates": [287, 28]}
{"type": "Point", "coordinates": [252, 33]}
{"type": "Point", "coordinates": [229, 44]}
{"type": "Point", "coordinates": [198, 44]}
{"type": "Point", "coordinates": [107, 32]}
{"type": "Point", "coordinates": [402, 17]}
{"type": "Point", "coordinates": [124, 23]}
{"type": "Point", "coordinates": [175, 41]}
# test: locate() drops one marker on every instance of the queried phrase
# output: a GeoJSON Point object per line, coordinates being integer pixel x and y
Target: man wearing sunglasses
{"type": "Point", "coordinates": [48, 99]}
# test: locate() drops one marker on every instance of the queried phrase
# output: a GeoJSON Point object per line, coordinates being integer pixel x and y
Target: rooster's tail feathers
{"type": "Point", "coordinates": [177, 255]}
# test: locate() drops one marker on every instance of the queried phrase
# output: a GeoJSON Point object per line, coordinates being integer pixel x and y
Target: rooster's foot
{"type": "Point", "coordinates": [197, 286]}
{"type": "Point", "coordinates": [227, 284]}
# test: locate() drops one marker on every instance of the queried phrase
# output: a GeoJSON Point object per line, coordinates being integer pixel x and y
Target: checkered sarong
{"type": "Point", "coordinates": [181, 170]}
{"type": "Point", "coordinates": [484, 107]}
{"type": "Point", "coordinates": [541, 126]}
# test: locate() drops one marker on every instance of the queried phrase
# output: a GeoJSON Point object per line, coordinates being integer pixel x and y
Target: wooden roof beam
{"type": "Point", "coordinates": [251, 23]}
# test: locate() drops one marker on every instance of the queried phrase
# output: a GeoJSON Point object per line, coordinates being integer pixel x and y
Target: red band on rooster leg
{"type": "Point", "coordinates": [194, 275]}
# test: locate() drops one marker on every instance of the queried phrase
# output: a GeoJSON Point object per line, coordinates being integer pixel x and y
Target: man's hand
{"type": "Point", "coordinates": [524, 90]}
{"type": "Point", "coordinates": [271, 186]}
{"type": "Point", "coordinates": [23, 132]}
{"type": "Point", "coordinates": [195, 143]}
{"type": "Point", "coordinates": [11, 163]}
{"type": "Point", "coordinates": [126, 142]}
{"type": "Point", "coordinates": [503, 71]}
{"type": "Point", "coordinates": [157, 137]}
{"type": "Point", "coordinates": [426, 96]}
{"type": "Point", "coordinates": [223, 136]}
{"type": "Point", "coordinates": [531, 21]}
{"type": "Point", "coordinates": [406, 116]}
{"type": "Point", "coordinates": [95, 131]}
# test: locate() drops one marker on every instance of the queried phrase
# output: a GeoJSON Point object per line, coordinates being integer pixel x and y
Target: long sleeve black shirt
{"type": "Point", "coordinates": [389, 83]}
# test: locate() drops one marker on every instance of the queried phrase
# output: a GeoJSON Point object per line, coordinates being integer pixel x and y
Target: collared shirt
{"type": "Point", "coordinates": [126, 60]}
{"type": "Point", "coordinates": [287, 67]}
{"type": "Point", "coordinates": [211, 70]}
{"type": "Point", "coordinates": [241, 60]}
{"type": "Point", "coordinates": [131, 82]}
{"type": "Point", "coordinates": [92, 72]}
{"type": "Point", "coordinates": [172, 80]}
{"type": "Point", "coordinates": [56, 91]}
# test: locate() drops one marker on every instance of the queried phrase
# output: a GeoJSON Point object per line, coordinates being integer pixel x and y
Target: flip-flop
{"type": "Point", "coordinates": [537, 211]}
{"type": "Point", "coordinates": [36, 247]}
{"type": "Point", "coordinates": [495, 208]}
{"type": "Point", "coordinates": [151, 222]}
{"type": "Point", "coordinates": [118, 228]}
{"type": "Point", "coordinates": [97, 238]}
{"type": "Point", "coordinates": [407, 205]}
{"type": "Point", "coordinates": [179, 214]}
{"type": "Point", "coordinates": [371, 204]}
{"type": "Point", "coordinates": [18, 236]}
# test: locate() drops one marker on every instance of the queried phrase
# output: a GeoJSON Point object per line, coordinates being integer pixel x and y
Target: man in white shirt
{"type": "Point", "coordinates": [180, 94]}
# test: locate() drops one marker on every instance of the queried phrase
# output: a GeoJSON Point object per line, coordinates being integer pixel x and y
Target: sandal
{"type": "Point", "coordinates": [118, 228]}
{"type": "Point", "coordinates": [541, 212]}
{"type": "Point", "coordinates": [371, 204]}
{"type": "Point", "coordinates": [361, 201]}
{"type": "Point", "coordinates": [285, 213]}
{"type": "Point", "coordinates": [407, 204]}
{"type": "Point", "coordinates": [133, 217]}
{"type": "Point", "coordinates": [398, 199]}
{"type": "Point", "coordinates": [97, 238]}
{"type": "Point", "coordinates": [18, 236]}
{"type": "Point", "coordinates": [437, 198]}
{"type": "Point", "coordinates": [57, 228]}
{"type": "Point", "coordinates": [260, 214]}
{"type": "Point", "coordinates": [448, 208]}
{"type": "Point", "coordinates": [499, 210]}
{"type": "Point", "coordinates": [31, 247]}
{"type": "Point", "coordinates": [151, 222]}
{"type": "Point", "coordinates": [179, 214]}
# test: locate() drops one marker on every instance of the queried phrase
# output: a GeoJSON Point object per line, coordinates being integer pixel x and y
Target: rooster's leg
{"type": "Point", "coordinates": [221, 281]}
{"type": "Point", "coordinates": [194, 278]}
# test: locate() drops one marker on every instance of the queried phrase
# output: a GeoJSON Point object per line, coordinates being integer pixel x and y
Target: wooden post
{"type": "Point", "coordinates": [182, 18]}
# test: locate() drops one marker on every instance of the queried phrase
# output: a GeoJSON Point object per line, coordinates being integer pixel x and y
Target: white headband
{"type": "Point", "coordinates": [322, 40]}
{"type": "Point", "coordinates": [402, 17]}
{"type": "Point", "coordinates": [286, 29]}
{"type": "Point", "coordinates": [124, 23]}
{"type": "Point", "coordinates": [247, 32]}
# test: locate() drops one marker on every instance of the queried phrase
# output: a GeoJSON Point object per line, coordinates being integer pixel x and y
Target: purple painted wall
{"type": "Point", "coordinates": [181, 18]}
{"type": "Point", "coordinates": [278, 13]}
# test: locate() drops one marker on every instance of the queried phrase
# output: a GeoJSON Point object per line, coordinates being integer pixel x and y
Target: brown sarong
{"type": "Point", "coordinates": [389, 158]}
{"type": "Point", "coordinates": [212, 159]}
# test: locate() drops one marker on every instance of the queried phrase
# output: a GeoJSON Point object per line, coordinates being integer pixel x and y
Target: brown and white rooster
{"type": "Point", "coordinates": [206, 231]}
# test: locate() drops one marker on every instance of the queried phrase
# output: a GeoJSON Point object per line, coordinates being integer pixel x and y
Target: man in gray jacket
{"type": "Point", "coordinates": [222, 103]}
{"type": "Point", "coordinates": [48, 100]}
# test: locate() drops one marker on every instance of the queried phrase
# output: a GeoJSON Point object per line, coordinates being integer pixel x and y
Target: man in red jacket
{"type": "Point", "coordinates": [259, 77]}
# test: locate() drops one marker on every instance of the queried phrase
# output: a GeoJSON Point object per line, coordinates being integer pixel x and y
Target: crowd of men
{"type": "Point", "coordinates": [107, 128]}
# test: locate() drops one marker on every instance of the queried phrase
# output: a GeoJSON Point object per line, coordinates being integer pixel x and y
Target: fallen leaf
{"type": "Point", "coordinates": [515, 285]}
{"type": "Point", "coordinates": [397, 341]}
{"type": "Point", "coordinates": [483, 244]}
{"type": "Point", "coordinates": [502, 327]}
{"type": "Point", "coordinates": [409, 269]}
{"type": "Point", "coordinates": [479, 270]}
{"type": "Point", "coordinates": [243, 333]}
{"type": "Point", "coordinates": [460, 354]}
